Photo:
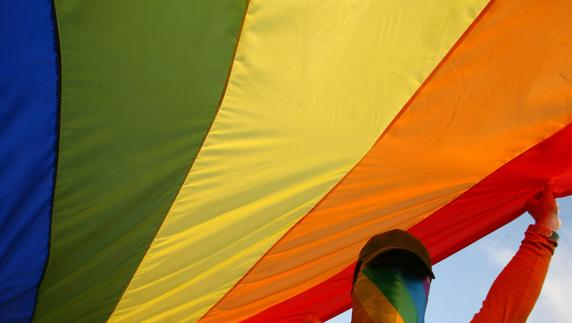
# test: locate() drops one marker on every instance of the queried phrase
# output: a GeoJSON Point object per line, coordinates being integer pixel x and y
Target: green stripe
{"type": "Point", "coordinates": [391, 284]}
{"type": "Point", "coordinates": [141, 82]}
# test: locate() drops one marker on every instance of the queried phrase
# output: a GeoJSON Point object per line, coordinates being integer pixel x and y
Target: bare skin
{"type": "Point", "coordinates": [544, 209]}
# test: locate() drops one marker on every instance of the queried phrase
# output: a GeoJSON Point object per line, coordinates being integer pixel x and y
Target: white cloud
{"type": "Point", "coordinates": [497, 252]}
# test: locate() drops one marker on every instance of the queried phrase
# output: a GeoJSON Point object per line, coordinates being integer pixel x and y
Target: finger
{"type": "Point", "coordinates": [548, 193]}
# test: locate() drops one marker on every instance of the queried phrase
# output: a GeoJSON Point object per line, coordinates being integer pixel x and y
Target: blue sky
{"type": "Point", "coordinates": [463, 279]}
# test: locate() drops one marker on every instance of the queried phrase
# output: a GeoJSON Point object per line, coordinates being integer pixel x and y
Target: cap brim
{"type": "Point", "coordinates": [426, 268]}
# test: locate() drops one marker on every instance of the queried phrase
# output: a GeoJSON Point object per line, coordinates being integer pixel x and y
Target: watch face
{"type": "Point", "coordinates": [554, 236]}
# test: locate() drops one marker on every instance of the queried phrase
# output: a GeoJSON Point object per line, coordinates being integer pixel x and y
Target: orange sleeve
{"type": "Point", "coordinates": [515, 291]}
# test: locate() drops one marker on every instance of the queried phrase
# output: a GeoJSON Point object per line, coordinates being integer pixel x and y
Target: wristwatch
{"type": "Point", "coordinates": [552, 235]}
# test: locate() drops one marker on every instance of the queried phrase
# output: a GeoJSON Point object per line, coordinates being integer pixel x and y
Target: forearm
{"type": "Point", "coordinates": [515, 291]}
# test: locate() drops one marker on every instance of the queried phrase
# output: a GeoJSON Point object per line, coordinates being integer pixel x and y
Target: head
{"type": "Point", "coordinates": [392, 278]}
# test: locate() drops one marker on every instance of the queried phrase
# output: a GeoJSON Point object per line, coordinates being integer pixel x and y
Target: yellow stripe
{"type": "Point", "coordinates": [313, 85]}
{"type": "Point", "coordinates": [376, 306]}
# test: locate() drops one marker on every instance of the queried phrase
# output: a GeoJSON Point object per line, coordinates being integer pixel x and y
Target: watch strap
{"type": "Point", "coordinates": [552, 235]}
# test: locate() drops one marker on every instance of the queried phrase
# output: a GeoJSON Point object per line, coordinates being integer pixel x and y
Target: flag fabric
{"type": "Point", "coordinates": [389, 294]}
{"type": "Point", "coordinates": [226, 160]}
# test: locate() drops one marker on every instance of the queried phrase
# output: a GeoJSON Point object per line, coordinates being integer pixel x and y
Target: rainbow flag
{"type": "Point", "coordinates": [226, 160]}
{"type": "Point", "coordinates": [387, 294]}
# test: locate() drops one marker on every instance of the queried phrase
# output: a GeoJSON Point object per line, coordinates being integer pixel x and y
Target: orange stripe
{"type": "Point", "coordinates": [502, 90]}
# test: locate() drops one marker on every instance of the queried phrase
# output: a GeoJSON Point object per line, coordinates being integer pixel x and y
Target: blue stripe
{"type": "Point", "coordinates": [28, 136]}
{"type": "Point", "coordinates": [417, 292]}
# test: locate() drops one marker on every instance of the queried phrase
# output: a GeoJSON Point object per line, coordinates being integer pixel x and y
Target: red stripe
{"type": "Point", "coordinates": [493, 202]}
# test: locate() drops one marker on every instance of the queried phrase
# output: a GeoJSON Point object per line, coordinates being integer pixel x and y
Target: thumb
{"type": "Point", "coordinates": [548, 193]}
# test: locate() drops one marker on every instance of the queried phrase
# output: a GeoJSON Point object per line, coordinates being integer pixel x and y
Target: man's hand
{"type": "Point", "coordinates": [544, 209]}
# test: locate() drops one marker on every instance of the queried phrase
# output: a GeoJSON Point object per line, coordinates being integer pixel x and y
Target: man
{"type": "Point", "coordinates": [393, 273]}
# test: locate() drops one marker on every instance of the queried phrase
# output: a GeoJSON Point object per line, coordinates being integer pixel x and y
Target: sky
{"type": "Point", "coordinates": [463, 280]}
